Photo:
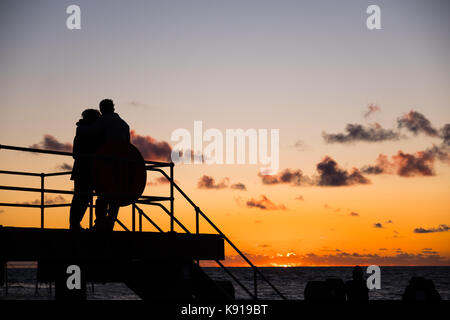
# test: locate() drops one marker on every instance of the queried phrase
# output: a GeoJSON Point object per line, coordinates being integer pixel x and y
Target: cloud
{"type": "Point", "coordinates": [331, 175]}
{"type": "Point", "coordinates": [371, 108]}
{"type": "Point", "coordinates": [300, 145]}
{"type": "Point", "coordinates": [440, 228]}
{"type": "Point", "coordinates": [358, 132]}
{"type": "Point", "coordinates": [150, 148]}
{"type": "Point", "coordinates": [339, 258]}
{"type": "Point", "coordinates": [49, 142]}
{"type": "Point", "coordinates": [429, 251]}
{"type": "Point", "coordinates": [412, 121]}
{"type": "Point", "coordinates": [2, 211]}
{"type": "Point", "coordinates": [158, 181]}
{"type": "Point", "coordinates": [208, 182]}
{"type": "Point", "coordinates": [264, 204]}
{"type": "Point", "coordinates": [138, 104]}
{"type": "Point", "coordinates": [299, 197]}
{"type": "Point", "coordinates": [354, 214]}
{"type": "Point", "coordinates": [47, 200]}
{"type": "Point", "coordinates": [65, 166]}
{"type": "Point", "coordinates": [445, 135]}
{"type": "Point", "coordinates": [408, 165]}
{"type": "Point", "coordinates": [389, 221]}
{"type": "Point", "coordinates": [417, 123]}
{"type": "Point", "coordinates": [238, 186]}
{"type": "Point", "coordinates": [287, 176]}
{"type": "Point", "coordinates": [378, 225]}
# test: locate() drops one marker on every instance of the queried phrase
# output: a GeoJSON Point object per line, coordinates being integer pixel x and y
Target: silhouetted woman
{"type": "Point", "coordinates": [85, 143]}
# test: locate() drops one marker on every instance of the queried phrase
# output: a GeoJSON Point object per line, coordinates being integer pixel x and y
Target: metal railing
{"type": "Point", "coordinates": [146, 200]}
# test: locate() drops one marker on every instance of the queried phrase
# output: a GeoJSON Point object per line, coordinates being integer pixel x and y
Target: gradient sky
{"type": "Point", "coordinates": [304, 67]}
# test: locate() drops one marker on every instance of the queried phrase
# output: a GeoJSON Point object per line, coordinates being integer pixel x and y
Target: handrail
{"type": "Point", "coordinates": [154, 166]}
{"type": "Point", "coordinates": [221, 233]}
{"type": "Point", "coordinates": [70, 154]}
{"type": "Point", "coordinates": [188, 232]}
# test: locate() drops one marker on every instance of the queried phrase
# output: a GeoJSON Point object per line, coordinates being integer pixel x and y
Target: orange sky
{"type": "Point", "coordinates": [304, 68]}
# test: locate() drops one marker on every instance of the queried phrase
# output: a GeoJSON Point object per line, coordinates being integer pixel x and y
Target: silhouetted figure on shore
{"type": "Point", "coordinates": [85, 143]}
{"type": "Point", "coordinates": [421, 289]}
{"type": "Point", "coordinates": [111, 129]}
{"type": "Point", "coordinates": [356, 289]}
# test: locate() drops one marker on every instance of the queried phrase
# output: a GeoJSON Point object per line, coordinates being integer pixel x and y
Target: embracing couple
{"type": "Point", "coordinates": [95, 129]}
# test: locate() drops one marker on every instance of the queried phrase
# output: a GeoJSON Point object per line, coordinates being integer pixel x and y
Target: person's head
{"type": "Point", "coordinates": [357, 273]}
{"type": "Point", "coordinates": [106, 106]}
{"type": "Point", "coordinates": [90, 115]}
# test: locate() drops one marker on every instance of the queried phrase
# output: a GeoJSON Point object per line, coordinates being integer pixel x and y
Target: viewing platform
{"type": "Point", "coordinates": [160, 265]}
{"type": "Point", "coordinates": [35, 244]}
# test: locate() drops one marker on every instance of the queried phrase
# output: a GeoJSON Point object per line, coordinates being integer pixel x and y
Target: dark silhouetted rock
{"type": "Point", "coordinates": [421, 289]}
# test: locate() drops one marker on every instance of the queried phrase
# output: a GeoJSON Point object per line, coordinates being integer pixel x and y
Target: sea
{"type": "Point", "coordinates": [291, 281]}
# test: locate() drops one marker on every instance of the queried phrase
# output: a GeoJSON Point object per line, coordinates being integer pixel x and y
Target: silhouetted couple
{"type": "Point", "coordinates": [94, 129]}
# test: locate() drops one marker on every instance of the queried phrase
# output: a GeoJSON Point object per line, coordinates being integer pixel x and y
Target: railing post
{"type": "Point", "coordinates": [197, 222]}
{"type": "Point", "coordinates": [255, 282]}
{"type": "Point", "coordinates": [171, 198]}
{"type": "Point", "coordinates": [197, 225]}
{"type": "Point", "coordinates": [133, 217]}
{"type": "Point", "coordinates": [42, 200]}
{"type": "Point", "coordinates": [91, 212]}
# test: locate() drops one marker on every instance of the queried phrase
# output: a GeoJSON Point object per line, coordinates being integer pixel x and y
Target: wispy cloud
{"type": "Point", "coordinates": [47, 200]}
{"type": "Point", "coordinates": [238, 186]}
{"type": "Point", "coordinates": [358, 132]}
{"type": "Point", "coordinates": [264, 203]}
{"type": "Point", "coordinates": [378, 225]}
{"type": "Point", "coordinates": [287, 176]}
{"type": "Point", "coordinates": [65, 166]}
{"type": "Point", "coordinates": [408, 165]}
{"type": "Point", "coordinates": [340, 258]}
{"type": "Point", "coordinates": [208, 182]}
{"type": "Point", "coordinates": [150, 148]}
{"type": "Point", "coordinates": [137, 104]}
{"type": "Point", "coordinates": [440, 228]}
{"type": "Point", "coordinates": [50, 142]}
{"type": "Point", "coordinates": [417, 123]}
{"type": "Point", "coordinates": [371, 109]}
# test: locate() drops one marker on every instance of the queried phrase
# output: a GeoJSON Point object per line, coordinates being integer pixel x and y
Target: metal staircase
{"type": "Point", "coordinates": [139, 214]}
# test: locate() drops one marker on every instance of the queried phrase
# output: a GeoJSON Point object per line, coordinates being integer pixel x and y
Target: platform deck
{"type": "Point", "coordinates": [33, 244]}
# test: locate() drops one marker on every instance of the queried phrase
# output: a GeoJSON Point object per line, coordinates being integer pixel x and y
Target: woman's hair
{"type": "Point", "coordinates": [90, 115]}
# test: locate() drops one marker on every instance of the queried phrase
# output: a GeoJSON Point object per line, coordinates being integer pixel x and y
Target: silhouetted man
{"type": "Point", "coordinates": [111, 128]}
{"type": "Point", "coordinates": [356, 289]}
{"type": "Point", "coordinates": [85, 143]}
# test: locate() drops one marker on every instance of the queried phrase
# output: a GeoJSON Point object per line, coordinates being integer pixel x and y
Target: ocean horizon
{"type": "Point", "coordinates": [291, 281]}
